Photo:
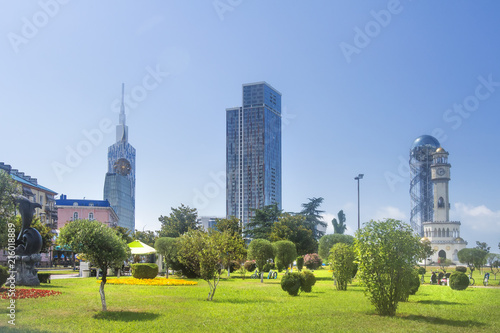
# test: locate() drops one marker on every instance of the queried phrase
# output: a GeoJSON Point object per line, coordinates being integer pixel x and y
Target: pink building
{"type": "Point", "coordinates": [82, 209]}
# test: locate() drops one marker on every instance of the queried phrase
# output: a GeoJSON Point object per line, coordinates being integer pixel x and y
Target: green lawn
{"type": "Point", "coordinates": [248, 306]}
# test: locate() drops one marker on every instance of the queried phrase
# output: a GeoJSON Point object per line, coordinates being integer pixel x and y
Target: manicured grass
{"type": "Point", "coordinates": [249, 306]}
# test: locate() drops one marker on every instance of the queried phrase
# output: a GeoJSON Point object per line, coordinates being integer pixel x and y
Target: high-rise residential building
{"type": "Point", "coordinates": [253, 151]}
{"type": "Point", "coordinates": [119, 184]}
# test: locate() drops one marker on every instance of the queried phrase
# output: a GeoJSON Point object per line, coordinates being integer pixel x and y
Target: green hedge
{"type": "Point", "coordinates": [4, 274]}
{"type": "Point", "coordinates": [459, 281]}
{"type": "Point", "coordinates": [144, 271]}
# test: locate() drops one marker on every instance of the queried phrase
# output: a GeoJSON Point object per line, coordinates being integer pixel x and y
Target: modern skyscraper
{"type": "Point", "coordinates": [253, 151]}
{"type": "Point", "coordinates": [119, 184]}
{"type": "Point", "coordinates": [421, 189]}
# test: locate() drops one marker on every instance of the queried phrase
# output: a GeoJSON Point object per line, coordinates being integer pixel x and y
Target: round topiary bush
{"type": "Point", "coordinates": [312, 261]}
{"type": "Point", "coordinates": [421, 270]}
{"type": "Point", "coordinates": [144, 271]}
{"type": "Point", "coordinates": [268, 266]}
{"type": "Point", "coordinates": [300, 263]}
{"type": "Point", "coordinates": [308, 280]}
{"type": "Point", "coordinates": [414, 282]}
{"type": "Point", "coordinates": [234, 266]}
{"type": "Point", "coordinates": [459, 281]}
{"type": "Point", "coordinates": [462, 269]}
{"type": "Point", "coordinates": [291, 283]}
{"type": "Point", "coordinates": [4, 275]}
{"type": "Point", "coordinates": [250, 265]}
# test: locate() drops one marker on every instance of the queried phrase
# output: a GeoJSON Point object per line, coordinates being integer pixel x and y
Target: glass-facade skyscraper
{"type": "Point", "coordinates": [253, 151]}
{"type": "Point", "coordinates": [119, 184]}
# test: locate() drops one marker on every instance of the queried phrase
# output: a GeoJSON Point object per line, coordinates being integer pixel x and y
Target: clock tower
{"type": "Point", "coordinates": [440, 173]}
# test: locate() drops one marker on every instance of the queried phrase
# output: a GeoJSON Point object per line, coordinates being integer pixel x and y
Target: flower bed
{"type": "Point", "coordinates": [28, 293]}
{"type": "Point", "coordinates": [158, 281]}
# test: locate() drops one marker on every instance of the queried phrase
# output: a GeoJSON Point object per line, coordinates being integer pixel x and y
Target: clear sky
{"type": "Point", "coordinates": [359, 82]}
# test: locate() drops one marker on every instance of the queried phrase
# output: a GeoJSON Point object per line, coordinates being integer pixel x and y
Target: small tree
{"type": "Point", "coordinates": [100, 245]}
{"type": "Point", "coordinates": [342, 263]}
{"type": "Point", "coordinates": [179, 221]}
{"type": "Point", "coordinates": [443, 263]}
{"type": "Point", "coordinates": [387, 252]}
{"type": "Point", "coordinates": [312, 261]}
{"type": "Point", "coordinates": [285, 253]}
{"type": "Point", "coordinates": [474, 258]}
{"type": "Point", "coordinates": [260, 250]}
{"type": "Point", "coordinates": [168, 248]}
{"type": "Point", "coordinates": [233, 249]}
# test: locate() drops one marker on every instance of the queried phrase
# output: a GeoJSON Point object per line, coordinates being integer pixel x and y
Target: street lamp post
{"type": "Point", "coordinates": [360, 176]}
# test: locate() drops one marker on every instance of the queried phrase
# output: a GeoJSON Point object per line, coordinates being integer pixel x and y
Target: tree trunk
{"type": "Point", "coordinates": [166, 268]}
{"type": "Point", "coordinates": [261, 277]}
{"type": "Point", "coordinates": [229, 270]}
{"type": "Point", "coordinates": [101, 289]}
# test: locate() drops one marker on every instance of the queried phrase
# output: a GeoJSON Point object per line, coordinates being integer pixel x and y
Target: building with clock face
{"type": "Point", "coordinates": [119, 184]}
{"type": "Point", "coordinates": [443, 234]}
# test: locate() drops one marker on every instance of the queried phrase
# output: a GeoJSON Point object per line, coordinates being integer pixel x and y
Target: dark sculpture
{"type": "Point", "coordinates": [31, 242]}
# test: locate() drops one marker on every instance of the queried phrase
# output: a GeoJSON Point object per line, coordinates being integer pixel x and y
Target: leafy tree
{"type": "Point", "coordinates": [231, 224]}
{"type": "Point", "coordinates": [181, 219]}
{"type": "Point", "coordinates": [100, 245]}
{"type": "Point", "coordinates": [291, 227]}
{"type": "Point", "coordinates": [44, 230]}
{"type": "Point", "coordinates": [147, 237]}
{"type": "Point", "coordinates": [8, 188]}
{"type": "Point", "coordinates": [124, 233]}
{"type": "Point", "coordinates": [342, 258]}
{"type": "Point", "coordinates": [168, 248]}
{"type": "Point", "coordinates": [285, 253]}
{"type": "Point", "coordinates": [313, 216]}
{"type": "Point", "coordinates": [491, 258]}
{"type": "Point", "coordinates": [260, 250]}
{"type": "Point", "coordinates": [474, 258]}
{"type": "Point", "coordinates": [328, 241]}
{"type": "Point", "coordinates": [426, 249]}
{"type": "Point", "coordinates": [339, 226]}
{"type": "Point", "coordinates": [262, 222]}
{"type": "Point", "coordinates": [387, 251]}
{"type": "Point", "coordinates": [233, 249]}
{"type": "Point", "coordinates": [202, 251]}
{"type": "Point", "coordinates": [483, 246]}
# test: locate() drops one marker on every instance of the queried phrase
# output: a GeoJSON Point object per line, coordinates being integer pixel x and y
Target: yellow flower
{"type": "Point", "coordinates": [158, 281]}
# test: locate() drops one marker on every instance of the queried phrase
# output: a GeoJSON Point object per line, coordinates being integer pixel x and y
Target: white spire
{"type": "Point", "coordinates": [121, 128]}
{"type": "Point", "coordinates": [122, 107]}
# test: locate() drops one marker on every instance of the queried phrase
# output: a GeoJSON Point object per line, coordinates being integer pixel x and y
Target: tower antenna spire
{"type": "Point", "coordinates": [122, 107]}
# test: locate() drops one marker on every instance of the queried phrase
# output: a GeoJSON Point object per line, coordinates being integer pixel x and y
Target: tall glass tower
{"type": "Point", "coordinates": [119, 184]}
{"type": "Point", "coordinates": [253, 151]}
{"type": "Point", "coordinates": [421, 189]}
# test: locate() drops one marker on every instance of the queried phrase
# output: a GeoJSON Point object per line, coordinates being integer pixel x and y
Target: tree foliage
{"type": "Point", "coordinates": [342, 257]}
{"type": "Point", "coordinates": [100, 245]}
{"type": "Point", "coordinates": [260, 225]}
{"type": "Point", "coordinates": [339, 227]}
{"type": "Point", "coordinates": [233, 247]}
{"type": "Point", "coordinates": [260, 250]}
{"type": "Point", "coordinates": [483, 246]}
{"type": "Point", "coordinates": [147, 237]}
{"type": "Point", "coordinates": [292, 227]}
{"type": "Point", "coordinates": [426, 249]}
{"type": "Point", "coordinates": [311, 212]}
{"type": "Point", "coordinates": [387, 252]}
{"type": "Point", "coordinates": [124, 233]}
{"type": "Point", "coordinates": [285, 253]}
{"type": "Point", "coordinates": [328, 241]}
{"type": "Point", "coordinates": [168, 248]}
{"type": "Point", "coordinates": [231, 225]}
{"type": "Point", "coordinates": [44, 230]}
{"type": "Point", "coordinates": [179, 221]}
{"type": "Point", "coordinates": [8, 188]}
{"type": "Point", "coordinates": [474, 258]}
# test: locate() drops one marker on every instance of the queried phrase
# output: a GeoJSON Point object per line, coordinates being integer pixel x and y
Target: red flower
{"type": "Point", "coordinates": [27, 293]}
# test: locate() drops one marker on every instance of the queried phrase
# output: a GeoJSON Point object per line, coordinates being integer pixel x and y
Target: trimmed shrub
{"type": "Point", "coordinates": [280, 266]}
{"type": "Point", "coordinates": [312, 261]}
{"type": "Point", "coordinates": [291, 283]}
{"type": "Point", "coordinates": [4, 274]}
{"type": "Point", "coordinates": [250, 265]}
{"type": "Point", "coordinates": [462, 269]}
{"type": "Point", "coordinates": [44, 277]}
{"type": "Point", "coordinates": [421, 270]}
{"type": "Point", "coordinates": [144, 271]}
{"type": "Point", "coordinates": [300, 263]}
{"type": "Point", "coordinates": [459, 281]}
{"type": "Point", "coordinates": [308, 280]}
{"type": "Point", "coordinates": [414, 283]}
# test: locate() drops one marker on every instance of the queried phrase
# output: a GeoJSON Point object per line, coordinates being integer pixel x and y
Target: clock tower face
{"type": "Point", "coordinates": [440, 171]}
{"type": "Point", "coordinates": [122, 167]}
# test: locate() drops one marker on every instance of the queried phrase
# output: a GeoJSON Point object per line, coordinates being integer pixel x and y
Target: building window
{"type": "Point", "coordinates": [75, 216]}
{"type": "Point", "coordinates": [441, 202]}
{"type": "Point", "coordinates": [91, 216]}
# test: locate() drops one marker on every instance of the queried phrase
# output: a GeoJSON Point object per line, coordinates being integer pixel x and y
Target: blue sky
{"type": "Point", "coordinates": [360, 81]}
